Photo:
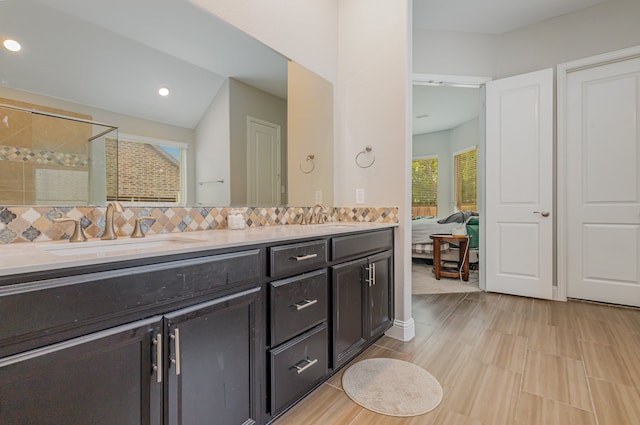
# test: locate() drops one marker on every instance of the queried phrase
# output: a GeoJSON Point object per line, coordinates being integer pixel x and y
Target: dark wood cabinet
{"type": "Point", "coordinates": [229, 336]}
{"type": "Point", "coordinates": [104, 378]}
{"type": "Point", "coordinates": [380, 297]}
{"type": "Point", "coordinates": [349, 302]}
{"type": "Point", "coordinates": [362, 304]}
{"type": "Point", "coordinates": [214, 362]}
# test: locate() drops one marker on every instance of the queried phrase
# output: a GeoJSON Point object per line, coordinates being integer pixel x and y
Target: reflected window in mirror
{"type": "Point", "coordinates": [145, 170]}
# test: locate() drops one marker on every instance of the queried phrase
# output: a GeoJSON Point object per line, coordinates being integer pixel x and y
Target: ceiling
{"type": "Point", "coordinates": [448, 107]}
{"type": "Point", "coordinates": [115, 55]}
{"type": "Point", "coordinates": [174, 43]}
{"type": "Point", "coordinates": [490, 16]}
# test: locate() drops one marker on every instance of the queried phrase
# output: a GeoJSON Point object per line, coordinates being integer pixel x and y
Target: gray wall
{"type": "Point", "coordinates": [246, 100]}
{"type": "Point", "coordinates": [599, 29]}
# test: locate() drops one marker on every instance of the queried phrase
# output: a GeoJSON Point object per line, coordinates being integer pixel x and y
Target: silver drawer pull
{"type": "Point", "coordinates": [304, 304]}
{"type": "Point", "coordinates": [176, 340]}
{"type": "Point", "coordinates": [158, 366]}
{"type": "Point", "coordinates": [307, 364]}
{"type": "Point", "coordinates": [304, 257]}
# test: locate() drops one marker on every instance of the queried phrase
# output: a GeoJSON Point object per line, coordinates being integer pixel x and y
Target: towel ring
{"type": "Point", "coordinates": [311, 158]}
{"type": "Point", "coordinates": [366, 150]}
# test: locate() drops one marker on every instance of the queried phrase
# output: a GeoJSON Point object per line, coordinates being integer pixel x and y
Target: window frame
{"type": "Point", "coordinates": [182, 161]}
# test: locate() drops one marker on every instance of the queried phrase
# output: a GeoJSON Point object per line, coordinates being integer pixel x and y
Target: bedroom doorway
{"type": "Point", "coordinates": [447, 164]}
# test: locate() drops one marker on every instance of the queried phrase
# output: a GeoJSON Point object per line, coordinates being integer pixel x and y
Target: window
{"type": "Point", "coordinates": [465, 176]}
{"type": "Point", "coordinates": [145, 170]}
{"type": "Point", "coordinates": [424, 188]}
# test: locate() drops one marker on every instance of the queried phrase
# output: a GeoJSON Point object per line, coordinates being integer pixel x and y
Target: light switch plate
{"type": "Point", "coordinates": [359, 196]}
{"type": "Point", "coordinates": [318, 196]}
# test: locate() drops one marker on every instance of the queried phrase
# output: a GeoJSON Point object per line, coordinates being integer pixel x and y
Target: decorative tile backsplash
{"type": "Point", "coordinates": [35, 223]}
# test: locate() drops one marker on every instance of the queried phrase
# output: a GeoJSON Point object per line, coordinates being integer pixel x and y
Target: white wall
{"type": "Point", "coordinates": [304, 31]}
{"type": "Point", "coordinates": [214, 158]}
{"type": "Point", "coordinates": [372, 106]}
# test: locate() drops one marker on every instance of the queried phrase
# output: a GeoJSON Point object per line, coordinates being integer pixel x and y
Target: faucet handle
{"type": "Point", "coordinates": [137, 229]}
{"type": "Point", "coordinates": [303, 218]}
{"type": "Point", "coordinates": [78, 232]}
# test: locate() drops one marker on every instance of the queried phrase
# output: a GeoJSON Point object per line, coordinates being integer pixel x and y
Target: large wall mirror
{"type": "Point", "coordinates": [237, 128]}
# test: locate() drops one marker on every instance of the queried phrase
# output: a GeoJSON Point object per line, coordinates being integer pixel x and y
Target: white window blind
{"type": "Point", "coordinates": [465, 171]}
{"type": "Point", "coordinates": [424, 188]}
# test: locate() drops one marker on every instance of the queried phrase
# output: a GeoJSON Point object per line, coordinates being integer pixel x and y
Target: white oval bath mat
{"type": "Point", "coordinates": [392, 387]}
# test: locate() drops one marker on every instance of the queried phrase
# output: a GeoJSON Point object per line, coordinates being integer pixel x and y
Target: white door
{"type": "Point", "coordinates": [603, 183]}
{"type": "Point", "coordinates": [263, 163]}
{"type": "Point", "coordinates": [519, 185]}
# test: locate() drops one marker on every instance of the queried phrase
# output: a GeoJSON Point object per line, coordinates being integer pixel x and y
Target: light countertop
{"type": "Point", "coordinates": [26, 257]}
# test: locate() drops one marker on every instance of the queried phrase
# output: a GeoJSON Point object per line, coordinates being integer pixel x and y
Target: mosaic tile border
{"type": "Point", "coordinates": [35, 223]}
{"type": "Point", "coordinates": [26, 155]}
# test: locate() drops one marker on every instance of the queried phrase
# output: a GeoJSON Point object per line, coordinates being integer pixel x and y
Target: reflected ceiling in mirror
{"type": "Point", "coordinates": [108, 60]}
{"type": "Point", "coordinates": [116, 55]}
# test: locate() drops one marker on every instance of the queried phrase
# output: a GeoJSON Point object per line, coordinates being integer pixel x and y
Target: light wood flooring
{"type": "Point", "coordinates": [506, 360]}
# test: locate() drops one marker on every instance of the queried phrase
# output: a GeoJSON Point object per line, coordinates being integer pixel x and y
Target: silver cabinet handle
{"type": "Point", "coordinates": [542, 213]}
{"type": "Point", "coordinates": [307, 364]}
{"type": "Point", "coordinates": [158, 366]}
{"type": "Point", "coordinates": [176, 343]}
{"type": "Point", "coordinates": [368, 280]}
{"type": "Point", "coordinates": [304, 304]}
{"type": "Point", "coordinates": [304, 257]}
{"type": "Point", "coordinates": [373, 273]}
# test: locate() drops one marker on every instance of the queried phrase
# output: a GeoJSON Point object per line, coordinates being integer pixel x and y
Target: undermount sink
{"type": "Point", "coordinates": [118, 245]}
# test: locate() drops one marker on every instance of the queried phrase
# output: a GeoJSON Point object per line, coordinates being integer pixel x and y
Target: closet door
{"type": "Point", "coordinates": [603, 182]}
{"type": "Point", "coordinates": [519, 185]}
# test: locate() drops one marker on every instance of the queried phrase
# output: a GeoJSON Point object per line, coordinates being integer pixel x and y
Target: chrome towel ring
{"type": "Point", "coordinates": [310, 158]}
{"type": "Point", "coordinates": [367, 149]}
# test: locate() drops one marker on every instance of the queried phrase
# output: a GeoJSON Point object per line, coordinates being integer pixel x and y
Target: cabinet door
{"type": "Point", "coordinates": [349, 291]}
{"type": "Point", "coordinates": [103, 378]}
{"type": "Point", "coordinates": [380, 307]}
{"type": "Point", "coordinates": [213, 363]}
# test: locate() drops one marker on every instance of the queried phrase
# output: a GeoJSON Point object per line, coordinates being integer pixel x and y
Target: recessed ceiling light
{"type": "Point", "coordinates": [11, 45]}
{"type": "Point", "coordinates": [163, 91]}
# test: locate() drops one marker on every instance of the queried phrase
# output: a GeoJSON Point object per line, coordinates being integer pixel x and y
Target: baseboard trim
{"type": "Point", "coordinates": [402, 330]}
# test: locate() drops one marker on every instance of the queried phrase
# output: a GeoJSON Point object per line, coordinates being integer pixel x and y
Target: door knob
{"type": "Point", "coordinates": [542, 213]}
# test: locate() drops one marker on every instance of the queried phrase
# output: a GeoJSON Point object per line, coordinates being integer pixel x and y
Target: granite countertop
{"type": "Point", "coordinates": [19, 258]}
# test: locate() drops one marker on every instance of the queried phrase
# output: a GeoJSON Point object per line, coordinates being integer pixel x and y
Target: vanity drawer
{"type": "Point", "coordinates": [36, 313]}
{"type": "Point", "coordinates": [297, 304]}
{"type": "Point", "coordinates": [361, 244]}
{"type": "Point", "coordinates": [297, 366]}
{"type": "Point", "coordinates": [297, 258]}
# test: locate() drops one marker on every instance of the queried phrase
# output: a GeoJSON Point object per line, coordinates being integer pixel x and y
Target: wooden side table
{"type": "Point", "coordinates": [463, 242]}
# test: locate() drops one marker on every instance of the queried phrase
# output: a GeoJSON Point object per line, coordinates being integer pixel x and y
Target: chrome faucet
{"type": "Point", "coordinates": [315, 219]}
{"type": "Point", "coordinates": [109, 231]}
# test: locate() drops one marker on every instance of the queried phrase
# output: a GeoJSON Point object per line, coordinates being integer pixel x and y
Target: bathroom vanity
{"type": "Point", "coordinates": [237, 326]}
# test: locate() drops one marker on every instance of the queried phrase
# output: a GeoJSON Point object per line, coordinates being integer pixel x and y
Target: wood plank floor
{"type": "Point", "coordinates": [505, 360]}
